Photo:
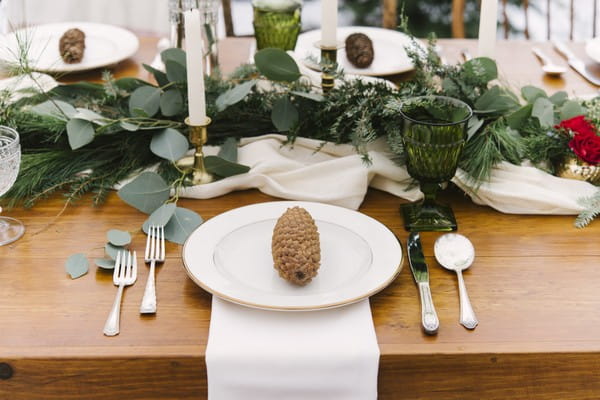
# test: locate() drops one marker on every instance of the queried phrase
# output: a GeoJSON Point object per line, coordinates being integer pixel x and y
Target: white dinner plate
{"type": "Point", "coordinates": [230, 257]}
{"type": "Point", "coordinates": [104, 45]}
{"type": "Point", "coordinates": [388, 45]}
{"type": "Point", "coordinates": [592, 49]}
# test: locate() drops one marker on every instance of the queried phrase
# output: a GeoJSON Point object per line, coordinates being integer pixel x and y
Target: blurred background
{"type": "Point", "coordinates": [151, 16]}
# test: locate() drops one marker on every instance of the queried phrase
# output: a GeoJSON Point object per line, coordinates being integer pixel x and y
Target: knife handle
{"type": "Point", "coordinates": [429, 318]}
{"type": "Point", "coordinates": [562, 49]}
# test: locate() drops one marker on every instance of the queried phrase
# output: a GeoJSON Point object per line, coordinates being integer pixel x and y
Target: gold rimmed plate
{"type": "Point", "coordinates": [230, 257]}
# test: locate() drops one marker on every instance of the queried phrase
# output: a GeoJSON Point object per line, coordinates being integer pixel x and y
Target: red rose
{"type": "Point", "coordinates": [578, 124]}
{"type": "Point", "coordinates": [587, 147]}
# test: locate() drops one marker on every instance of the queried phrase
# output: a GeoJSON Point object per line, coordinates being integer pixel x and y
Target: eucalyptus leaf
{"type": "Point", "coordinates": [176, 72]}
{"type": "Point", "coordinates": [311, 96]}
{"type": "Point", "coordinates": [77, 265]}
{"type": "Point", "coordinates": [182, 224]}
{"type": "Point", "coordinates": [169, 144]}
{"type": "Point", "coordinates": [105, 263]}
{"type": "Point", "coordinates": [146, 192]}
{"type": "Point", "coordinates": [55, 108]}
{"type": "Point", "coordinates": [84, 113]}
{"type": "Point", "coordinates": [118, 237]}
{"type": "Point", "coordinates": [559, 98]}
{"type": "Point", "coordinates": [173, 54]}
{"type": "Point", "coordinates": [171, 103]}
{"type": "Point", "coordinates": [79, 133]}
{"type": "Point", "coordinates": [483, 68]}
{"type": "Point", "coordinates": [161, 216]}
{"type": "Point", "coordinates": [284, 114]}
{"type": "Point", "coordinates": [130, 84]}
{"type": "Point", "coordinates": [532, 93]}
{"type": "Point", "coordinates": [496, 100]}
{"type": "Point", "coordinates": [234, 95]}
{"type": "Point", "coordinates": [543, 110]}
{"type": "Point", "coordinates": [161, 77]}
{"type": "Point", "coordinates": [128, 126]}
{"type": "Point", "coordinates": [519, 117]}
{"type": "Point", "coordinates": [229, 150]}
{"type": "Point", "coordinates": [571, 109]}
{"type": "Point", "coordinates": [146, 98]}
{"type": "Point", "coordinates": [276, 65]}
{"type": "Point", "coordinates": [112, 250]}
{"type": "Point", "coordinates": [223, 168]}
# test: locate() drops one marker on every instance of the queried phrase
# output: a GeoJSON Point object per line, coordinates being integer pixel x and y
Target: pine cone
{"type": "Point", "coordinates": [72, 45]}
{"type": "Point", "coordinates": [359, 50]}
{"type": "Point", "coordinates": [295, 246]}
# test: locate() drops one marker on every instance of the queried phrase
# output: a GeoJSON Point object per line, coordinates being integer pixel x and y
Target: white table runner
{"type": "Point", "coordinates": [272, 355]}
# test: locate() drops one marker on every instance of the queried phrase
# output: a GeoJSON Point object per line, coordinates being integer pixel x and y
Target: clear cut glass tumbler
{"type": "Point", "coordinates": [434, 134]}
{"type": "Point", "coordinates": [10, 160]}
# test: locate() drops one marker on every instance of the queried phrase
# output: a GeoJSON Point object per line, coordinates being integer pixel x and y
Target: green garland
{"type": "Point", "coordinates": [86, 137]}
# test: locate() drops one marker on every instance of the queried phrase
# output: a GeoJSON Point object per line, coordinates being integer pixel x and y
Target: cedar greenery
{"type": "Point", "coordinates": [126, 114]}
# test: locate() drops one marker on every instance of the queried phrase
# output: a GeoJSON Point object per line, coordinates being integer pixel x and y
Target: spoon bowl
{"type": "Point", "coordinates": [456, 253]}
{"type": "Point", "coordinates": [548, 66]}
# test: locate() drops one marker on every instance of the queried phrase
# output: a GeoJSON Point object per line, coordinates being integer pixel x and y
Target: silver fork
{"type": "Point", "coordinates": [155, 252]}
{"type": "Point", "coordinates": [125, 274]}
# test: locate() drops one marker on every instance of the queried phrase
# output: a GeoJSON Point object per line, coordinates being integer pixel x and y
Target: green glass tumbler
{"type": "Point", "coordinates": [434, 134]}
{"type": "Point", "coordinates": [276, 23]}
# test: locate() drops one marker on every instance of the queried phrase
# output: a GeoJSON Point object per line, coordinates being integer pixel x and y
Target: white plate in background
{"type": "Point", "coordinates": [390, 57]}
{"type": "Point", "coordinates": [105, 45]}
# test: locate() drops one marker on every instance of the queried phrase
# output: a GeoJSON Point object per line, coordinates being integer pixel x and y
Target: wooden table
{"type": "Point", "coordinates": [533, 287]}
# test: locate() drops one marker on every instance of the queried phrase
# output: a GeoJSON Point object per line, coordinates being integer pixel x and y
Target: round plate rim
{"type": "Point", "coordinates": [122, 33]}
{"type": "Point", "coordinates": [231, 299]}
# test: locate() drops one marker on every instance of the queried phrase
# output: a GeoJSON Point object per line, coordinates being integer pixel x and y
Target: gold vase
{"type": "Point", "coordinates": [572, 167]}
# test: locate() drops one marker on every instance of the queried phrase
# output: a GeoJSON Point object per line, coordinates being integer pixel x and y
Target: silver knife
{"type": "Point", "coordinates": [576, 63]}
{"type": "Point", "coordinates": [419, 270]}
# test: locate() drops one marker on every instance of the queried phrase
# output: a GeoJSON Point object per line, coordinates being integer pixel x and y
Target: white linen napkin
{"type": "Point", "coordinates": [272, 355]}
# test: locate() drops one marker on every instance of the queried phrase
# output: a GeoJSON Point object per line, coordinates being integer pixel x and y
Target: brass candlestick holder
{"type": "Point", "coordinates": [328, 64]}
{"type": "Point", "coordinates": [198, 136]}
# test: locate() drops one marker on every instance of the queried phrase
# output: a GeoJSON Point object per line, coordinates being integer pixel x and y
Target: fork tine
{"type": "Point", "coordinates": [153, 243]}
{"type": "Point", "coordinates": [147, 253]}
{"type": "Point", "coordinates": [127, 270]}
{"type": "Point", "coordinates": [117, 267]}
{"type": "Point", "coordinates": [162, 243]}
{"type": "Point", "coordinates": [134, 268]}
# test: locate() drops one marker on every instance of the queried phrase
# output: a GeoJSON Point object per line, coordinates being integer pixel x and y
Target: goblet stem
{"type": "Point", "coordinates": [430, 192]}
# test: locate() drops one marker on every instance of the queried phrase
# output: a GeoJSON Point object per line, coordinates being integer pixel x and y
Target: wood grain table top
{"type": "Point", "coordinates": [533, 286]}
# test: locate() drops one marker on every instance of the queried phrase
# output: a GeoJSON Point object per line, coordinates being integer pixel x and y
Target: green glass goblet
{"type": "Point", "coordinates": [434, 134]}
{"type": "Point", "coordinates": [276, 23]}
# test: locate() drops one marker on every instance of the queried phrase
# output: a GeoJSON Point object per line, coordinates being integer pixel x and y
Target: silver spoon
{"type": "Point", "coordinates": [548, 65]}
{"type": "Point", "coordinates": [456, 253]}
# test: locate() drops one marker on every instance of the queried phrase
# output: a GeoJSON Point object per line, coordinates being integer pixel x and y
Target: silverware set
{"type": "Point", "coordinates": [577, 64]}
{"type": "Point", "coordinates": [453, 252]}
{"type": "Point", "coordinates": [125, 274]}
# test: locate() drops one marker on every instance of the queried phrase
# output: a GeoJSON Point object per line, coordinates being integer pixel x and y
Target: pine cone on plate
{"type": "Point", "coordinates": [295, 246]}
{"type": "Point", "coordinates": [72, 45]}
{"type": "Point", "coordinates": [359, 50]}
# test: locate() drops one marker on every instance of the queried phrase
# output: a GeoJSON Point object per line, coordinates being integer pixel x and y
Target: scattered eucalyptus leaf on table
{"type": "Point", "coordinates": [182, 224]}
{"type": "Point", "coordinates": [112, 250]}
{"type": "Point", "coordinates": [105, 263]}
{"type": "Point", "coordinates": [118, 237]}
{"type": "Point", "coordinates": [161, 216]}
{"type": "Point", "coordinates": [77, 265]}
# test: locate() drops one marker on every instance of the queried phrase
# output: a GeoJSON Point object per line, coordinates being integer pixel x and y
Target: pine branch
{"type": "Point", "coordinates": [591, 210]}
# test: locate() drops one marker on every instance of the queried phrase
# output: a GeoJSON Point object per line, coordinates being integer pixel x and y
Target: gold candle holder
{"type": "Point", "coordinates": [328, 64]}
{"type": "Point", "coordinates": [198, 136]}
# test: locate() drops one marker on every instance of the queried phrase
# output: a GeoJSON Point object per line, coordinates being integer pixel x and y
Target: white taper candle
{"type": "Point", "coordinates": [195, 71]}
{"type": "Point", "coordinates": [488, 23]}
{"type": "Point", "coordinates": [329, 14]}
